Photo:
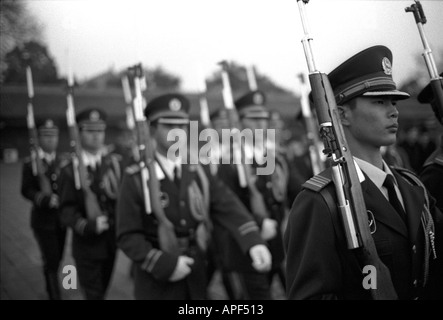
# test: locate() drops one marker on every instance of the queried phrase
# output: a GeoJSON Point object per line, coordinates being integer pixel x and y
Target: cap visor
{"type": "Point", "coordinates": [173, 121]}
{"type": "Point", "coordinates": [393, 93]}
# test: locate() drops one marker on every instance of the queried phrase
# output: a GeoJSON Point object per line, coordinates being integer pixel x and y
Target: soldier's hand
{"type": "Point", "coordinates": [268, 229]}
{"type": "Point", "coordinates": [102, 224]}
{"type": "Point", "coordinates": [182, 269]}
{"type": "Point", "coordinates": [261, 258]}
{"type": "Point", "coordinates": [54, 201]}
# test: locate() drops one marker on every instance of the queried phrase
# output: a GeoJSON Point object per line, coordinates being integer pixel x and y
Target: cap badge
{"type": "Point", "coordinates": [387, 66]}
{"type": "Point", "coordinates": [94, 116]}
{"type": "Point", "coordinates": [175, 104]}
{"type": "Point", "coordinates": [49, 124]}
{"type": "Point", "coordinates": [258, 99]}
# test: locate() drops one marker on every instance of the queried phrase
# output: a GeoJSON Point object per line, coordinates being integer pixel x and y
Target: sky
{"type": "Point", "coordinates": [189, 37]}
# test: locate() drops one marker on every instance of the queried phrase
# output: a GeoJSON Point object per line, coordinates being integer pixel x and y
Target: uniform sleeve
{"type": "Point", "coordinates": [313, 266]}
{"type": "Point", "coordinates": [131, 234]}
{"type": "Point", "coordinates": [72, 210]}
{"type": "Point", "coordinates": [229, 212]}
{"type": "Point", "coordinates": [30, 188]}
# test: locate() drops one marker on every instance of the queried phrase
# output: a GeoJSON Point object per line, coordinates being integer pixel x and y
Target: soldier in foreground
{"type": "Point", "coordinates": [403, 225]}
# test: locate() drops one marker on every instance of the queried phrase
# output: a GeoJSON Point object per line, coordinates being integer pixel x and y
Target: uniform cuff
{"type": "Point", "coordinates": [160, 264]}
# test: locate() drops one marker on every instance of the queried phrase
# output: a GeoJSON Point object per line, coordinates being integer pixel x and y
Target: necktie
{"type": "Point", "coordinates": [393, 199]}
{"type": "Point", "coordinates": [177, 176]}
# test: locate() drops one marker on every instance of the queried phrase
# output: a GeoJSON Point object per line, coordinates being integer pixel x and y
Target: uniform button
{"type": "Point", "coordinates": [415, 283]}
{"type": "Point", "coordinates": [183, 222]}
{"type": "Point", "coordinates": [414, 249]}
{"type": "Point", "coordinates": [269, 184]}
{"type": "Point", "coordinates": [54, 186]}
{"type": "Point", "coordinates": [53, 176]}
{"type": "Point", "coordinates": [182, 203]}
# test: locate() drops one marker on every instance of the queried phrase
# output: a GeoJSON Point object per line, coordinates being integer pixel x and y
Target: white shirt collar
{"type": "Point", "coordinates": [168, 165]}
{"type": "Point", "coordinates": [49, 157]}
{"type": "Point", "coordinates": [90, 159]}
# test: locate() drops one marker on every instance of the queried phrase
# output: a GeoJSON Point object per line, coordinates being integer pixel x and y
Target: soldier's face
{"type": "Point", "coordinates": [253, 123]}
{"type": "Point", "coordinates": [92, 140]}
{"type": "Point", "coordinates": [372, 122]}
{"type": "Point", "coordinates": [160, 134]}
{"type": "Point", "coordinates": [48, 143]}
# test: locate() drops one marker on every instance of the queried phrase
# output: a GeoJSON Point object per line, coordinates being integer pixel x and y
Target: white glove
{"type": "Point", "coordinates": [54, 201]}
{"type": "Point", "coordinates": [182, 269]}
{"type": "Point", "coordinates": [261, 258]}
{"type": "Point", "coordinates": [268, 229]}
{"type": "Point", "coordinates": [102, 224]}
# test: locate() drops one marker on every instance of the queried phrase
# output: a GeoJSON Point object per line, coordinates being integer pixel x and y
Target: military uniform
{"type": "Point", "coordinates": [45, 223]}
{"type": "Point", "coordinates": [272, 187]}
{"type": "Point", "coordinates": [319, 265]}
{"type": "Point", "coordinates": [432, 174]}
{"type": "Point", "coordinates": [94, 253]}
{"type": "Point", "coordinates": [193, 205]}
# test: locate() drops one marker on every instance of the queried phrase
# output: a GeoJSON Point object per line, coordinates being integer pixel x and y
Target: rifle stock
{"type": "Point", "coordinates": [36, 162]}
{"type": "Point", "coordinates": [436, 79]}
{"type": "Point", "coordinates": [91, 203]}
{"type": "Point", "coordinates": [344, 173]}
{"type": "Point", "coordinates": [150, 185]}
{"type": "Point", "coordinates": [311, 129]}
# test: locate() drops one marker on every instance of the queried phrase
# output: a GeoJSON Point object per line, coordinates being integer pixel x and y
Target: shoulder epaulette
{"type": "Point", "coordinates": [317, 183]}
{"type": "Point", "coordinates": [133, 169]}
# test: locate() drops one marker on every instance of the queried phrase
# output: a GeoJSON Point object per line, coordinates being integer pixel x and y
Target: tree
{"type": "Point", "coordinates": [35, 55]}
{"type": "Point", "coordinates": [239, 81]}
{"type": "Point", "coordinates": [156, 78]}
{"type": "Point", "coordinates": [17, 26]}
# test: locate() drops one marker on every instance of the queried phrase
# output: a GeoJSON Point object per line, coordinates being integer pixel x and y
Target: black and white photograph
{"type": "Point", "coordinates": [221, 154]}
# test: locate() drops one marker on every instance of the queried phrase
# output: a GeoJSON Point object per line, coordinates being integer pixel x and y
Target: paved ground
{"type": "Point", "coordinates": [21, 277]}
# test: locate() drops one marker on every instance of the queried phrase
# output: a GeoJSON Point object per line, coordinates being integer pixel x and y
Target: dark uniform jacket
{"type": "Point", "coordinates": [137, 231]}
{"type": "Point", "coordinates": [319, 265]}
{"type": "Point", "coordinates": [86, 243]}
{"type": "Point", "coordinates": [42, 217]}
{"type": "Point", "coordinates": [432, 177]}
{"type": "Point", "coordinates": [275, 201]}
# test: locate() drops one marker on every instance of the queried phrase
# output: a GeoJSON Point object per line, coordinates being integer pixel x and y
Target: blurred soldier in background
{"type": "Point", "coordinates": [432, 177]}
{"type": "Point", "coordinates": [191, 199]}
{"type": "Point", "coordinates": [93, 244]}
{"type": "Point", "coordinates": [45, 223]}
{"type": "Point", "coordinates": [271, 188]}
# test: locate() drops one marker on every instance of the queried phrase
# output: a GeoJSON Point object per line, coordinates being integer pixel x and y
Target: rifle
{"type": "Point", "coordinates": [312, 135]}
{"type": "Point", "coordinates": [436, 80]}
{"type": "Point", "coordinates": [130, 120]}
{"type": "Point", "coordinates": [204, 109]}
{"type": "Point", "coordinates": [351, 203]}
{"type": "Point", "coordinates": [258, 206]}
{"type": "Point", "coordinates": [252, 81]}
{"type": "Point", "coordinates": [36, 161]}
{"type": "Point", "coordinates": [151, 190]}
{"type": "Point", "coordinates": [92, 206]}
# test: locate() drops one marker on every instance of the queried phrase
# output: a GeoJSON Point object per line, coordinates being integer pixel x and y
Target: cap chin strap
{"type": "Point", "coordinates": [364, 85]}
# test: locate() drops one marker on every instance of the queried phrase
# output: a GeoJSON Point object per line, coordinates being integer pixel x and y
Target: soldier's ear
{"type": "Point", "coordinates": [344, 113]}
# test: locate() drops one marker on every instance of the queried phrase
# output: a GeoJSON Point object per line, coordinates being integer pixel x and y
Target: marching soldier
{"type": "Point", "coordinates": [93, 244]}
{"type": "Point", "coordinates": [45, 223]}
{"type": "Point", "coordinates": [404, 226]}
{"type": "Point", "coordinates": [271, 187]}
{"type": "Point", "coordinates": [432, 176]}
{"type": "Point", "coordinates": [191, 198]}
